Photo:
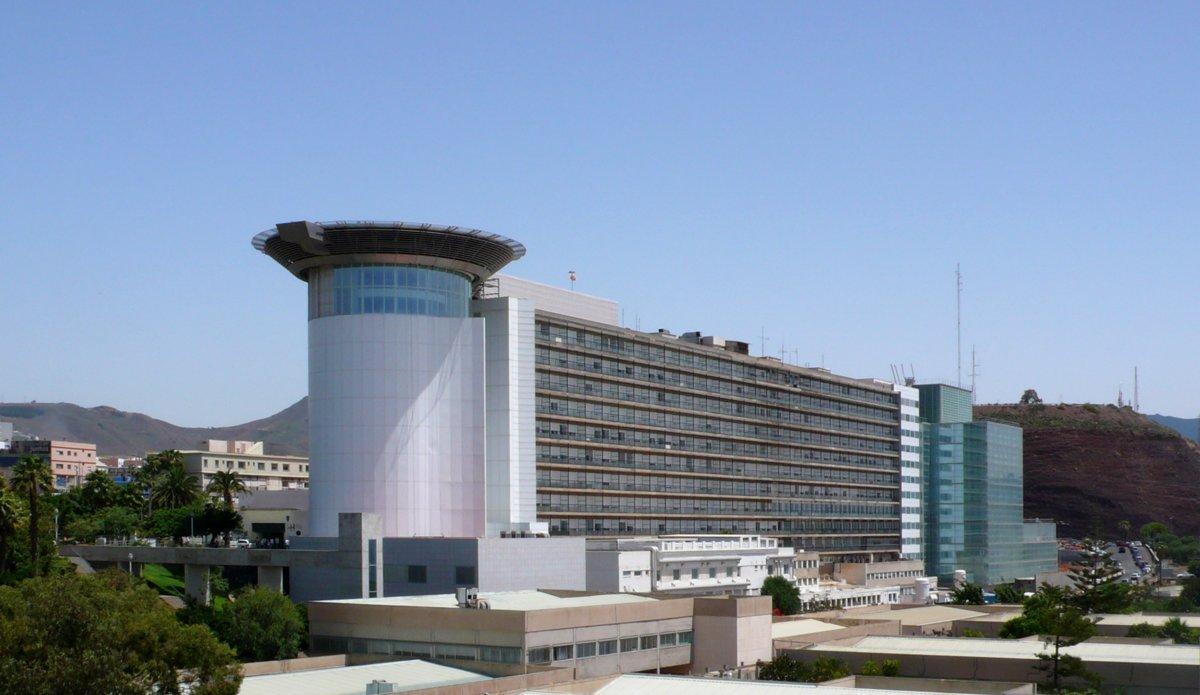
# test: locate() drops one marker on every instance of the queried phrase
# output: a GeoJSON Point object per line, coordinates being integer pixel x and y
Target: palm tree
{"type": "Point", "coordinates": [174, 488]}
{"type": "Point", "coordinates": [8, 525]}
{"type": "Point", "coordinates": [32, 478]}
{"type": "Point", "coordinates": [226, 484]}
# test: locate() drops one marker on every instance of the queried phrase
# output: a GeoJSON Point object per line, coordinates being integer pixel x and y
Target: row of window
{"type": "Point", "coordinates": [419, 574]}
{"type": "Point", "coordinates": [631, 504]}
{"type": "Point", "coordinates": [711, 362]}
{"type": "Point", "coordinates": [728, 402]}
{"type": "Point", "coordinates": [552, 405]}
{"type": "Point", "coordinates": [243, 465]}
{"type": "Point", "coordinates": [610, 526]}
{"type": "Point", "coordinates": [419, 650]}
{"type": "Point", "coordinates": [596, 480]}
{"type": "Point", "coordinates": [888, 419]}
{"type": "Point", "coordinates": [387, 289]}
{"type": "Point", "coordinates": [585, 650]}
{"type": "Point", "coordinates": [681, 462]}
{"type": "Point", "coordinates": [685, 443]}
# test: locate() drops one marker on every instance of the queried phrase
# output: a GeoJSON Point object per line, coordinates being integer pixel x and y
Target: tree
{"type": "Point", "coordinates": [226, 484]}
{"type": "Point", "coordinates": [1097, 580]}
{"type": "Point", "coordinates": [105, 634]}
{"type": "Point", "coordinates": [1124, 527]}
{"type": "Point", "coordinates": [1030, 397]}
{"type": "Point", "coordinates": [218, 520]}
{"type": "Point", "coordinates": [785, 598]}
{"type": "Point", "coordinates": [260, 624]}
{"type": "Point", "coordinates": [32, 479]}
{"type": "Point", "coordinates": [174, 488]}
{"type": "Point", "coordinates": [99, 491]}
{"type": "Point", "coordinates": [969, 594]}
{"type": "Point", "coordinates": [1064, 625]}
{"type": "Point", "coordinates": [10, 514]}
{"type": "Point", "coordinates": [1007, 593]}
{"type": "Point", "coordinates": [1034, 618]}
{"type": "Point", "coordinates": [111, 522]}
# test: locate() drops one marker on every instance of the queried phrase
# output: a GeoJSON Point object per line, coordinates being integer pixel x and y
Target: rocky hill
{"type": "Point", "coordinates": [122, 433]}
{"type": "Point", "coordinates": [1097, 464]}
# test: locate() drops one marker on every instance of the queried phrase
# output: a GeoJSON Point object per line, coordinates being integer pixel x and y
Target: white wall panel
{"type": "Point", "coordinates": [396, 418]}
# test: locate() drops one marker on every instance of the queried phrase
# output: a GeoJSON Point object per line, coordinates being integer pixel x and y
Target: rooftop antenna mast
{"type": "Point", "coordinates": [974, 373]}
{"type": "Point", "coordinates": [958, 285]}
{"type": "Point", "coordinates": [571, 275]}
{"type": "Point", "coordinates": [1136, 405]}
{"type": "Point", "coordinates": [762, 345]}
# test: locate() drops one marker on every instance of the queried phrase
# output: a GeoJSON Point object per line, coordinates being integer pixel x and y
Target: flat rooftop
{"type": "Point", "coordinates": [502, 600]}
{"type": "Point", "coordinates": [644, 684]}
{"type": "Point", "coordinates": [1172, 654]}
{"type": "Point", "coordinates": [796, 628]}
{"type": "Point", "coordinates": [352, 680]}
{"type": "Point", "coordinates": [923, 615]}
{"type": "Point", "coordinates": [1154, 619]}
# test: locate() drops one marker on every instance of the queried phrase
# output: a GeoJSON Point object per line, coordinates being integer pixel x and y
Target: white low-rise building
{"type": "Point", "coordinates": [706, 565]}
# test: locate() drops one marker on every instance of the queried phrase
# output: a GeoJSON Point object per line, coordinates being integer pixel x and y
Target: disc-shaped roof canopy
{"type": "Point", "coordinates": [299, 246]}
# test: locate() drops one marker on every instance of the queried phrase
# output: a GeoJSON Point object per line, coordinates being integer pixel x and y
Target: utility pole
{"type": "Point", "coordinates": [958, 285]}
{"type": "Point", "coordinates": [1136, 405]}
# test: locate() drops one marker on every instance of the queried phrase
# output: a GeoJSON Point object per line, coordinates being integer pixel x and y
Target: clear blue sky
{"type": "Point", "coordinates": [814, 169]}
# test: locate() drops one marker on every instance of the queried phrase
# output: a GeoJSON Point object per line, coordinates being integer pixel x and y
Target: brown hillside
{"type": "Point", "coordinates": [120, 433]}
{"type": "Point", "coordinates": [1098, 464]}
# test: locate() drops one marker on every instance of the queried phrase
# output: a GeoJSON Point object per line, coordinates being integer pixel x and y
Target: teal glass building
{"type": "Point", "coordinates": [973, 475]}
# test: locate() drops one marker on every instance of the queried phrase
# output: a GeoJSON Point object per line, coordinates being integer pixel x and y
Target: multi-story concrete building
{"type": "Point", "coordinates": [974, 497]}
{"type": "Point", "coordinates": [695, 565]}
{"type": "Point", "coordinates": [258, 470]}
{"type": "Point", "coordinates": [455, 404]}
{"type": "Point", "coordinates": [649, 433]}
{"type": "Point", "coordinates": [70, 462]}
{"type": "Point", "coordinates": [596, 634]}
{"type": "Point", "coordinates": [6, 435]}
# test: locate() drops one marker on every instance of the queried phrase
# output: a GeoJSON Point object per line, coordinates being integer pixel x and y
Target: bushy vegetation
{"type": "Point", "coordinates": [260, 624]}
{"type": "Point", "coordinates": [968, 594]}
{"type": "Point", "coordinates": [785, 598]}
{"type": "Point", "coordinates": [104, 633]}
{"type": "Point", "coordinates": [1173, 629]}
{"type": "Point", "coordinates": [785, 668]}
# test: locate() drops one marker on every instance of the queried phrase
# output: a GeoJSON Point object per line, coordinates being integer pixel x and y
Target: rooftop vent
{"type": "Point", "coordinates": [381, 687]}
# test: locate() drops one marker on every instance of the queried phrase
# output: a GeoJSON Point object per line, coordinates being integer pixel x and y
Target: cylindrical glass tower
{"type": "Point", "coordinates": [396, 370]}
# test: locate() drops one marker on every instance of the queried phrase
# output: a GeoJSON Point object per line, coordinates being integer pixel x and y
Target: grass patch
{"type": "Point", "coordinates": [163, 580]}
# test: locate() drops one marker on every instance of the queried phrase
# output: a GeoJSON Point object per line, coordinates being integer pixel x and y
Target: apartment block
{"type": "Point", "coordinates": [258, 470]}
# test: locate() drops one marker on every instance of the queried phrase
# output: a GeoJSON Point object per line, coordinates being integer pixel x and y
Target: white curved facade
{"type": "Point", "coordinates": [396, 423]}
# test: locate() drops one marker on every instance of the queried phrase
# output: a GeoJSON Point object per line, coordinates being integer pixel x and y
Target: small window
{"type": "Point", "coordinates": [608, 646]}
{"type": "Point", "coordinates": [695, 573]}
{"type": "Point", "coordinates": [649, 641]}
{"type": "Point", "coordinates": [629, 644]}
{"type": "Point", "coordinates": [464, 576]}
{"type": "Point", "coordinates": [685, 637]}
{"type": "Point", "coordinates": [417, 574]}
{"type": "Point", "coordinates": [540, 655]}
{"type": "Point", "coordinates": [712, 572]}
{"type": "Point", "coordinates": [675, 574]}
{"type": "Point", "coordinates": [728, 571]}
{"type": "Point", "coordinates": [564, 652]}
{"type": "Point", "coordinates": [585, 650]}
{"type": "Point", "coordinates": [667, 640]}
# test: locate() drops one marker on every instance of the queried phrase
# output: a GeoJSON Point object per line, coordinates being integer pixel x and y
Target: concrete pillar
{"type": "Point", "coordinates": [271, 577]}
{"type": "Point", "coordinates": [195, 583]}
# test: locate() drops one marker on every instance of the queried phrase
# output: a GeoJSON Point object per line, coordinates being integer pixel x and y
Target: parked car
{"type": "Point", "coordinates": [240, 543]}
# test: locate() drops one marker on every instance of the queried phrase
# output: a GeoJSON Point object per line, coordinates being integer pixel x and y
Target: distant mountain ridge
{"type": "Point", "coordinates": [1189, 428]}
{"type": "Point", "coordinates": [120, 433]}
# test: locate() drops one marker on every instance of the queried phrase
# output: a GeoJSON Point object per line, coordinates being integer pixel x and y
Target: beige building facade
{"type": "Point", "coordinates": [258, 470]}
{"type": "Point", "coordinates": [70, 462]}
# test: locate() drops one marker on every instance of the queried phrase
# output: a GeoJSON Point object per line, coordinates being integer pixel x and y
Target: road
{"type": "Point", "coordinates": [1128, 566]}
